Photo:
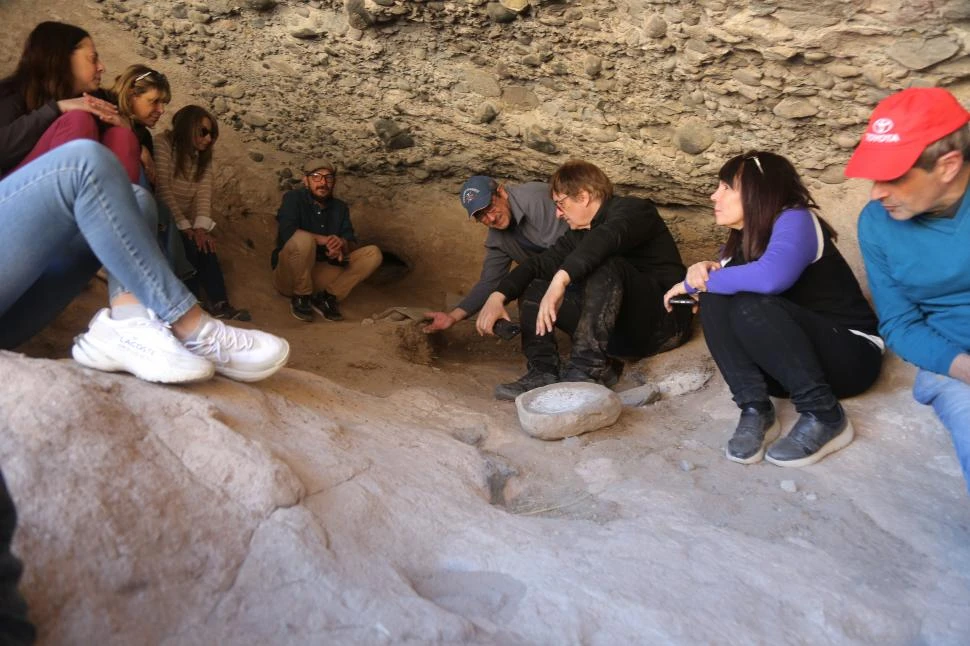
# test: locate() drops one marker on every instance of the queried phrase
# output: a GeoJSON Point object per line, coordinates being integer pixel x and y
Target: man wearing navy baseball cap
{"type": "Point", "coordinates": [915, 241]}
{"type": "Point", "coordinates": [521, 223]}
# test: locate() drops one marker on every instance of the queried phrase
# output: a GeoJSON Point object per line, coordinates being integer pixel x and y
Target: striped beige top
{"type": "Point", "coordinates": [189, 201]}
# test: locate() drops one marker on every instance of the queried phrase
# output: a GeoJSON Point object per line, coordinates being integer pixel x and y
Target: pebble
{"type": "Point", "coordinates": [686, 465]}
{"type": "Point", "coordinates": [789, 486]}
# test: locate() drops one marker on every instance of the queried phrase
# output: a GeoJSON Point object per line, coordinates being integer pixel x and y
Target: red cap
{"type": "Point", "coordinates": [900, 129]}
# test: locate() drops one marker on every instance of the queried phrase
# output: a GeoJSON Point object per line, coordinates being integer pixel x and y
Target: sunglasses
{"type": "Point", "coordinates": [158, 76]}
{"type": "Point", "coordinates": [205, 132]}
{"type": "Point", "coordinates": [757, 162]}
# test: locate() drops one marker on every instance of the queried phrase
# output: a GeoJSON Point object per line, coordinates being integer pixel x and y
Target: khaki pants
{"type": "Point", "coordinates": [299, 274]}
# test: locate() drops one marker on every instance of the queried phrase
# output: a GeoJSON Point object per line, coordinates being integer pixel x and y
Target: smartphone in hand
{"type": "Point", "coordinates": [683, 299]}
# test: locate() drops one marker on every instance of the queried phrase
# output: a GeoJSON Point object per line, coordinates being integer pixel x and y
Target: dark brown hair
{"type": "Point", "coordinates": [769, 184]}
{"type": "Point", "coordinates": [185, 123]}
{"type": "Point", "coordinates": [577, 175]}
{"type": "Point", "coordinates": [44, 71]}
{"type": "Point", "coordinates": [135, 81]}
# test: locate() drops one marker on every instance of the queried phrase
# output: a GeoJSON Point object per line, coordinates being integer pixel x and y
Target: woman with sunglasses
{"type": "Point", "coordinates": [54, 96]}
{"type": "Point", "coordinates": [783, 314]}
{"type": "Point", "coordinates": [183, 158]}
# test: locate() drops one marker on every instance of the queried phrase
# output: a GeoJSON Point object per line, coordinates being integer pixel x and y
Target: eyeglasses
{"type": "Point", "coordinates": [559, 203]}
{"type": "Point", "coordinates": [757, 162]}
{"type": "Point", "coordinates": [158, 75]}
{"type": "Point", "coordinates": [205, 132]}
{"type": "Point", "coordinates": [483, 214]}
{"type": "Point", "coordinates": [322, 177]}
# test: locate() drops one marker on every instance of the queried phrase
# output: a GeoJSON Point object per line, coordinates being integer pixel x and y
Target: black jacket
{"type": "Point", "coordinates": [628, 227]}
{"type": "Point", "coordinates": [20, 130]}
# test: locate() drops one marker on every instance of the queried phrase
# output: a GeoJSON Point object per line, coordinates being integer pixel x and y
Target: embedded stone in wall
{"type": "Point", "coordinates": [920, 53]}
{"type": "Point", "coordinates": [794, 109]}
{"type": "Point", "coordinates": [694, 137]}
{"type": "Point", "coordinates": [655, 26]}
{"type": "Point", "coordinates": [517, 96]}
{"type": "Point", "coordinates": [485, 113]}
{"type": "Point", "coordinates": [537, 140]}
{"type": "Point", "coordinates": [394, 136]}
{"type": "Point", "coordinates": [497, 13]}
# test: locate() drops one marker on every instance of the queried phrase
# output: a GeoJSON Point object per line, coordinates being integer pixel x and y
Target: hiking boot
{"type": "Point", "coordinates": [610, 377]}
{"type": "Point", "coordinates": [145, 347]}
{"type": "Point", "coordinates": [756, 429]}
{"type": "Point", "coordinates": [325, 305]}
{"type": "Point", "coordinates": [223, 310]}
{"type": "Point", "coordinates": [243, 355]}
{"type": "Point", "coordinates": [810, 440]}
{"type": "Point", "coordinates": [300, 308]}
{"type": "Point", "coordinates": [529, 381]}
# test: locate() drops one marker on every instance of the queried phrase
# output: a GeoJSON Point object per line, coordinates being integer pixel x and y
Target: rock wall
{"type": "Point", "coordinates": [657, 92]}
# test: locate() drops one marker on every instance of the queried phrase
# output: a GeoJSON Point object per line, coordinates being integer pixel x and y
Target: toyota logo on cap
{"type": "Point", "coordinates": [882, 126]}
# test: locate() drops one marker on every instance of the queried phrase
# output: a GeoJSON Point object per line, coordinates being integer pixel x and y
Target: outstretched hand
{"type": "Point", "coordinates": [439, 321]}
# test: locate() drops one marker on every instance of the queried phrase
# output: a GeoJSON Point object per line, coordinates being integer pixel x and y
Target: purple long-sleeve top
{"type": "Point", "coordinates": [796, 242]}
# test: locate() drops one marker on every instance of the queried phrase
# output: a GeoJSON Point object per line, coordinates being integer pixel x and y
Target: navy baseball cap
{"type": "Point", "coordinates": [476, 193]}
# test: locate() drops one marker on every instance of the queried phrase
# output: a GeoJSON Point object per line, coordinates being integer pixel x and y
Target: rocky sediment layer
{"type": "Point", "coordinates": [659, 93]}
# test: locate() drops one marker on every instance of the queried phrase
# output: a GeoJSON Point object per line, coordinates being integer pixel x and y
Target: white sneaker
{"type": "Point", "coordinates": [145, 347]}
{"type": "Point", "coordinates": [243, 355]}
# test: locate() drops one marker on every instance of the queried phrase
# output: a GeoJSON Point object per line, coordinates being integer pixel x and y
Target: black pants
{"type": "Point", "coordinates": [14, 626]}
{"type": "Point", "coordinates": [767, 345]}
{"type": "Point", "coordinates": [616, 311]}
{"type": "Point", "coordinates": [209, 278]}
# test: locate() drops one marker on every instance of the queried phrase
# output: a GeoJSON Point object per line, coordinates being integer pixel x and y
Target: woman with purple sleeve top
{"type": "Point", "coordinates": [783, 314]}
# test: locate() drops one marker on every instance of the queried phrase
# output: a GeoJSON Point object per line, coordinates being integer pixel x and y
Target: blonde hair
{"type": "Point", "coordinates": [135, 81]}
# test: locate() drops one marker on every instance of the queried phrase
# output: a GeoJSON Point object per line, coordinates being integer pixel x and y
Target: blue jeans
{"type": "Point", "coordinates": [56, 211]}
{"type": "Point", "coordinates": [950, 399]}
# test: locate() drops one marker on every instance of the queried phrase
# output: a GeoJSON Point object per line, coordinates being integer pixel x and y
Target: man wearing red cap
{"type": "Point", "coordinates": [915, 240]}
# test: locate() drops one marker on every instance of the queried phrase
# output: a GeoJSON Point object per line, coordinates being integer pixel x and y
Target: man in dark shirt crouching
{"type": "Point", "coordinates": [602, 283]}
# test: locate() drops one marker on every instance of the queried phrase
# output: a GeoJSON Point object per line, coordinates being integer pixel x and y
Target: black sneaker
{"type": "Point", "coordinates": [529, 381]}
{"type": "Point", "coordinates": [810, 440]}
{"type": "Point", "coordinates": [300, 308]}
{"type": "Point", "coordinates": [325, 305]}
{"type": "Point", "coordinates": [756, 429]}
{"type": "Point", "coordinates": [223, 310]}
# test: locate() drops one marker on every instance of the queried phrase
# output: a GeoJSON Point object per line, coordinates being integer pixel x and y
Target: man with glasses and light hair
{"type": "Point", "coordinates": [521, 221]}
{"type": "Point", "coordinates": [602, 283]}
{"type": "Point", "coordinates": [318, 260]}
{"type": "Point", "coordinates": [915, 240]}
